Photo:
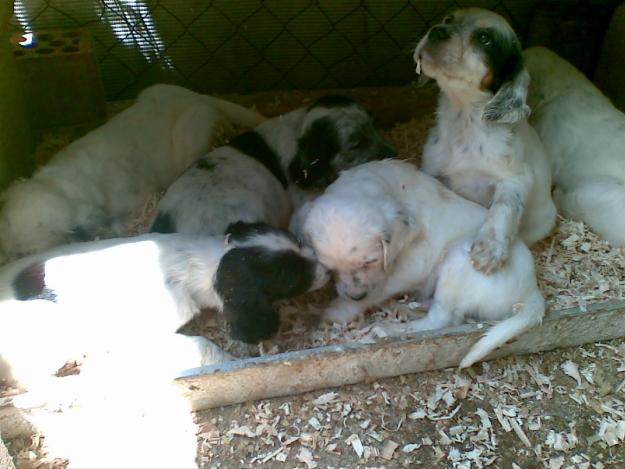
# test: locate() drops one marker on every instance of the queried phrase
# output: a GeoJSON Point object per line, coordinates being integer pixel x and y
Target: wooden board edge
{"type": "Point", "coordinates": [338, 365]}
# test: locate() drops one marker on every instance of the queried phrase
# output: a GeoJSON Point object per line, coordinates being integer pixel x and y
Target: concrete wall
{"type": "Point", "coordinates": [15, 133]}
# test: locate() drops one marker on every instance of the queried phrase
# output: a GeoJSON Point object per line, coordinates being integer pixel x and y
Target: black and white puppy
{"type": "Point", "coordinates": [122, 301]}
{"type": "Point", "coordinates": [482, 146]}
{"type": "Point", "coordinates": [259, 175]}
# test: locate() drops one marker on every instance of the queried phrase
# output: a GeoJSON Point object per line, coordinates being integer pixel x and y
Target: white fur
{"type": "Point", "coordinates": [584, 135]}
{"type": "Point", "coordinates": [237, 187]}
{"type": "Point", "coordinates": [119, 303]}
{"type": "Point", "coordinates": [93, 183]}
{"type": "Point", "coordinates": [482, 146]}
{"type": "Point", "coordinates": [384, 229]}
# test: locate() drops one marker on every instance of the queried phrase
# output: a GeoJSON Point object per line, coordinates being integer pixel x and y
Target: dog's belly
{"type": "Point", "coordinates": [475, 186]}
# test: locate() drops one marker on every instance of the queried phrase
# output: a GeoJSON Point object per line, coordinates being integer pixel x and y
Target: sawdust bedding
{"type": "Point", "coordinates": [574, 268]}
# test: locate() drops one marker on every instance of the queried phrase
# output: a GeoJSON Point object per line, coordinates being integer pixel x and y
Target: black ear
{"type": "Point", "coordinates": [252, 318]}
{"type": "Point", "coordinates": [510, 81]}
{"type": "Point", "coordinates": [249, 279]}
{"type": "Point", "coordinates": [316, 149]}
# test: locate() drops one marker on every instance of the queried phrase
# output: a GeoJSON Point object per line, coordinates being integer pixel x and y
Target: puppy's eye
{"type": "Point", "coordinates": [485, 39]}
{"type": "Point", "coordinates": [448, 19]}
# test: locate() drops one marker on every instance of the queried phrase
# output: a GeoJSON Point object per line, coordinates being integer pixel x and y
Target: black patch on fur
{"type": "Point", "coordinates": [332, 100]}
{"type": "Point", "coordinates": [254, 145]}
{"type": "Point", "coordinates": [316, 149]}
{"type": "Point", "coordinates": [503, 55]}
{"type": "Point", "coordinates": [240, 231]}
{"type": "Point", "coordinates": [79, 234]}
{"type": "Point", "coordinates": [163, 223]}
{"type": "Point", "coordinates": [30, 284]}
{"type": "Point", "coordinates": [250, 279]}
{"type": "Point", "coordinates": [205, 164]}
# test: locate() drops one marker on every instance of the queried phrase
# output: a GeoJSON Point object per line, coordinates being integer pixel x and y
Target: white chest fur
{"type": "Point", "coordinates": [467, 153]}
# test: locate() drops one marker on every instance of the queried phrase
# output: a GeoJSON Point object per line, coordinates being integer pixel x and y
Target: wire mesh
{"type": "Point", "coordinates": [254, 45]}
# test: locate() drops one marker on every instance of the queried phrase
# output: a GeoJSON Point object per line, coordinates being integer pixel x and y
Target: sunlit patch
{"type": "Point", "coordinates": [132, 23]}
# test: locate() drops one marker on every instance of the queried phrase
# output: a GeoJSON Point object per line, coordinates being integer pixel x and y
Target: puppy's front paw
{"type": "Point", "coordinates": [341, 311]}
{"type": "Point", "coordinates": [488, 253]}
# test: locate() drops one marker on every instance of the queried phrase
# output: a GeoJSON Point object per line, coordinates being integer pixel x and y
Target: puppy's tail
{"type": "Point", "coordinates": [600, 202]}
{"type": "Point", "coordinates": [530, 314]}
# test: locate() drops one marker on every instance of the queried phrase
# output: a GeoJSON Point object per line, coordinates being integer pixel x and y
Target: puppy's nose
{"type": "Point", "coordinates": [358, 297]}
{"type": "Point", "coordinates": [438, 34]}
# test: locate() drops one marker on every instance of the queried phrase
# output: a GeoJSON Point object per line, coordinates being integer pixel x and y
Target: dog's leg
{"type": "Point", "coordinates": [438, 317]}
{"type": "Point", "coordinates": [492, 245]}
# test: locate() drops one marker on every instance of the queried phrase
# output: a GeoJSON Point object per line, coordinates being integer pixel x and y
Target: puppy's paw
{"type": "Point", "coordinates": [341, 311]}
{"type": "Point", "coordinates": [488, 254]}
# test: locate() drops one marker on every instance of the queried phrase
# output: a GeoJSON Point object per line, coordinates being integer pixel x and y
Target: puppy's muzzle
{"type": "Point", "coordinates": [357, 296]}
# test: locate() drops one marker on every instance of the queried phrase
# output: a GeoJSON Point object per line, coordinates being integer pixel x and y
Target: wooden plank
{"type": "Point", "coordinates": [332, 366]}
{"type": "Point", "coordinates": [308, 370]}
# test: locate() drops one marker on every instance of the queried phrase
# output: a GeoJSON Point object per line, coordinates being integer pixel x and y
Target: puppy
{"type": "Point", "coordinates": [481, 145]}
{"type": "Point", "coordinates": [126, 298]}
{"type": "Point", "coordinates": [87, 188]}
{"type": "Point", "coordinates": [262, 173]}
{"type": "Point", "coordinates": [584, 135]}
{"type": "Point", "coordinates": [384, 229]}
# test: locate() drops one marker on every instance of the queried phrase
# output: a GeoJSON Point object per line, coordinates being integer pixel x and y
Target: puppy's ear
{"type": "Point", "coordinates": [316, 149]}
{"type": "Point", "coordinates": [251, 316]}
{"type": "Point", "coordinates": [400, 229]}
{"type": "Point", "coordinates": [508, 106]}
{"type": "Point", "coordinates": [250, 278]}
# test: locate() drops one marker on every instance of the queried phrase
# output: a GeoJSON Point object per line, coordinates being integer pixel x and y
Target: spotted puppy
{"type": "Point", "coordinates": [262, 173]}
{"type": "Point", "coordinates": [90, 186]}
{"type": "Point", "coordinates": [385, 228]}
{"type": "Point", "coordinates": [584, 135]}
{"type": "Point", "coordinates": [481, 145]}
{"type": "Point", "coordinates": [122, 300]}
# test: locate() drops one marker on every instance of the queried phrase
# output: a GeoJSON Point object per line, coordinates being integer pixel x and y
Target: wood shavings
{"type": "Point", "coordinates": [571, 369]}
{"type": "Point", "coordinates": [354, 440]}
{"type": "Point", "coordinates": [305, 456]}
{"type": "Point", "coordinates": [611, 432]}
{"type": "Point", "coordinates": [389, 449]}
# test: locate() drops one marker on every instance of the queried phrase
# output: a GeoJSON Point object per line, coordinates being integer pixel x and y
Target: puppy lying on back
{"type": "Point", "coordinates": [584, 135]}
{"type": "Point", "coordinates": [250, 178]}
{"type": "Point", "coordinates": [122, 300]}
{"type": "Point", "coordinates": [87, 189]}
{"type": "Point", "coordinates": [482, 146]}
{"type": "Point", "coordinates": [385, 229]}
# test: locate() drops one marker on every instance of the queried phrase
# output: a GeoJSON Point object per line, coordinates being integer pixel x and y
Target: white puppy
{"type": "Point", "coordinates": [87, 188]}
{"type": "Point", "coordinates": [482, 146]}
{"type": "Point", "coordinates": [126, 298]}
{"type": "Point", "coordinates": [260, 174]}
{"type": "Point", "coordinates": [385, 229]}
{"type": "Point", "coordinates": [584, 135]}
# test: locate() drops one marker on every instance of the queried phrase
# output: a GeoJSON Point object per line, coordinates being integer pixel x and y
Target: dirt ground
{"type": "Point", "coordinates": [517, 412]}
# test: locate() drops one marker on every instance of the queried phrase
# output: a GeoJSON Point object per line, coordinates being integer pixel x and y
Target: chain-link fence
{"type": "Point", "coordinates": [253, 45]}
